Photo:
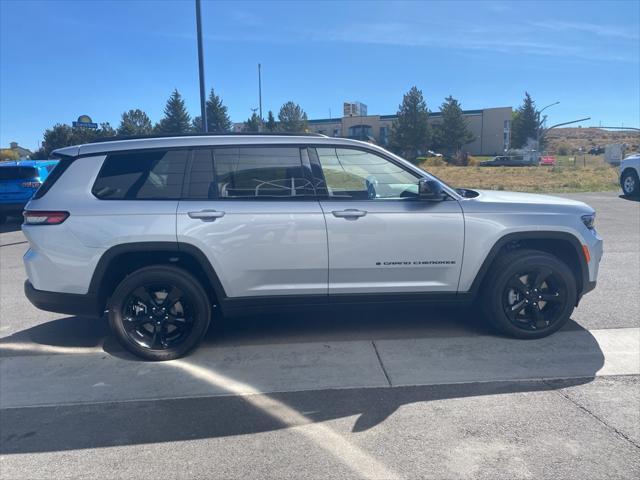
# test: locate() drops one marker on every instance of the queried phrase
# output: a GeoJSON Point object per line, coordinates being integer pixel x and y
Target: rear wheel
{"type": "Point", "coordinates": [159, 313]}
{"type": "Point", "coordinates": [629, 183]}
{"type": "Point", "coordinates": [529, 294]}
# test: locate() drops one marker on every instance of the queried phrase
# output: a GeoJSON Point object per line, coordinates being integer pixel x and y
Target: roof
{"type": "Point", "coordinates": [198, 141]}
{"type": "Point", "coordinates": [27, 163]}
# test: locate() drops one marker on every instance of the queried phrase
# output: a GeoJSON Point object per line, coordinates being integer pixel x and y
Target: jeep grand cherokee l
{"type": "Point", "coordinates": [156, 232]}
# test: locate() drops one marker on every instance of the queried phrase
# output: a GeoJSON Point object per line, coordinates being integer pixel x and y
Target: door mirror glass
{"type": "Point", "coordinates": [429, 189]}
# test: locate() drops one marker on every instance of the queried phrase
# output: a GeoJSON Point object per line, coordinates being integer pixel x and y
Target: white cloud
{"type": "Point", "coordinates": [592, 28]}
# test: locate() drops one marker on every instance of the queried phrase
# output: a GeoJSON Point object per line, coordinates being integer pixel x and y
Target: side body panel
{"type": "Point", "coordinates": [62, 258]}
{"type": "Point", "coordinates": [260, 248]}
{"type": "Point", "coordinates": [399, 246]}
{"type": "Point", "coordinates": [493, 215]}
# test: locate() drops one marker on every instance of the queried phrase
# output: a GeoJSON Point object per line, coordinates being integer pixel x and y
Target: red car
{"type": "Point", "coordinates": [548, 160]}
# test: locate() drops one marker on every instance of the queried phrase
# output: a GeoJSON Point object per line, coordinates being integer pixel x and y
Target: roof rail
{"type": "Point", "coordinates": [260, 134]}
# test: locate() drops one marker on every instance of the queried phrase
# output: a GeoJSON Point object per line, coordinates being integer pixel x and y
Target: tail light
{"type": "Point", "coordinates": [34, 217]}
{"type": "Point", "coordinates": [30, 184]}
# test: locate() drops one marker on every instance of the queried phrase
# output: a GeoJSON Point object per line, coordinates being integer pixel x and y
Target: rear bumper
{"type": "Point", "coordinates": [14, 207]}
{"type": "Point", "coordinates": [83, 305]}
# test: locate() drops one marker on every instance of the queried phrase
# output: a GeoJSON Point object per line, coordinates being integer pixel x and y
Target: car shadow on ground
{"type": "Point", "coordinates": [13, 224]}
{"type": "Point", "coordinates": [68, 427]}
{"type": "Point", "coordinates": [630, 198]}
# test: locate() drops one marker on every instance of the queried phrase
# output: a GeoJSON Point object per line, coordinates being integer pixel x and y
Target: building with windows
{"type": "Point", "coordinates": [490, 127]}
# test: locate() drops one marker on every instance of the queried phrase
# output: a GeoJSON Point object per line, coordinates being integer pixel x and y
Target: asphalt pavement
{"type": "Point", "coordinates": [357, 393]}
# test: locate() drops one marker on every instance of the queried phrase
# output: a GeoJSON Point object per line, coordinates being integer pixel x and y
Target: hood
{"type": "Point", "coordinates": [530, 199]}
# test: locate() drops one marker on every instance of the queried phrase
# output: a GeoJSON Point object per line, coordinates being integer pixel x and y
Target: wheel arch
{"type": "Point", "coordinates": [564, 245]}
{"type": "Point", "coordinates": [121, 260]}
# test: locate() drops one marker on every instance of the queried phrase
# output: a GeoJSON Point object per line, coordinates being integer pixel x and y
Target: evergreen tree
{"type": "Point", "coordinates": [271, 124]}
{"type": "Point", "coordinates": [218, 120]}
{"type": "Point", "coordinates": [293, 118]}
{"type": "Point", "coordinates": [135, 122]}
{"type": "Point", "coordinates": [524, 125]}
{"type": "Point", "coordinates": [252, 124]}
{"type": "Point", "coordinates": [176, 118]}
{"type": "Point", "coordinates": [453, 132]}
{"type": "Point", "coordinates": [410, 131]}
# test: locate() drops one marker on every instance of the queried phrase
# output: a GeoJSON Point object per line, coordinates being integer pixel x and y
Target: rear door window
{"type": "Point", "coordinates": [140, 175]}
{"type": "Point", "coordinates": [261, 173]}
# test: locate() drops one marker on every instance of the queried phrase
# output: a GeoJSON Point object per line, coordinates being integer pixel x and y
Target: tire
{"type": "Point", "coordinates": [159, 312]}
{"type": "Point", "coordinates": [629, 183]}
{"type": "Point", "coordinates": [518, 304]}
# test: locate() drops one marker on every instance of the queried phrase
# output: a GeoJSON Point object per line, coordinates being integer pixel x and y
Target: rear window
{"type": "Point", "coordinates": [18, 173]}
{"type": "Point", "coordinates": [55, 173]}
{"type": "Point", "coordinates": [156, 175]}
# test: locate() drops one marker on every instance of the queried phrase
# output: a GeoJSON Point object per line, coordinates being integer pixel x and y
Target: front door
{"type": "Point", "coordinates": [382, 238]}
{"type": "Point", "coordinates": [251, 210]}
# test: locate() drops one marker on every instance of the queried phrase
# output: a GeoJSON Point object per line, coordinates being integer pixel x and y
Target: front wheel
{"type": "Point", "coordinates": [629, 183]}
{"type": "Point", "coordinates": [159, 312]}
{"type": "Point", "coordinates": [529, 294]}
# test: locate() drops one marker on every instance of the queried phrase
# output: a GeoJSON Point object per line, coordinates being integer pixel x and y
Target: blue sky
{"type": "Point", "coordinates": [62, 59]}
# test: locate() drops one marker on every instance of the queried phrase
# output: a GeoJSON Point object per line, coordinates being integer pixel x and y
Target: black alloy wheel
{"type": "Point", "coordinates": [528, 293]}
{"type": "Point", "coordinates": [159, 312]}
{"type": "Point", "coordinates": [158, 316]}
{"type": "Point", "coordinates": [534, 299]}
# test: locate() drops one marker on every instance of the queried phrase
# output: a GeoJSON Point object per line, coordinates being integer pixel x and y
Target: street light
{"type": "Point", "coordinates": [540, 122]}
{"type": "Point", "coordinates": [203, 104]}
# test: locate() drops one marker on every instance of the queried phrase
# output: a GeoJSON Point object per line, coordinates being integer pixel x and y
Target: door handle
{"type": "Point", "coordinates": [349, 213]}
{"type": "Point", "coordinates": [206, 215]}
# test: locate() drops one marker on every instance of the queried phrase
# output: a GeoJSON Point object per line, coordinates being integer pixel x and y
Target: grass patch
{"type": "Point", "coordinates": [561, 178]}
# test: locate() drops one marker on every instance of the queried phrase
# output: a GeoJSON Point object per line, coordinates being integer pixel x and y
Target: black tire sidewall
{"type": "Point", "coordinates": [169, 275]}
{"type": "Point", "coordinates": [493, 303]}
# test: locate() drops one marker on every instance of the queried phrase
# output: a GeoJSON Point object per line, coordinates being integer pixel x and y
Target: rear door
{"type": "Point", "coordinates": [252, 211]}
{"type": "Point", "coordinates": [382, 238]}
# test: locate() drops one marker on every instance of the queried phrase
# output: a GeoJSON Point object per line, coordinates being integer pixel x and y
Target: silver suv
{"type": "Point", "coordinates": [159, 231]}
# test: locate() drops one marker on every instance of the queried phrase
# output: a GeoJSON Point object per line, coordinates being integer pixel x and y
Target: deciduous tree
{"type": "Point", "coordinates": [293, 118]}
{"type": "Point", "coordinates": [135, 122]}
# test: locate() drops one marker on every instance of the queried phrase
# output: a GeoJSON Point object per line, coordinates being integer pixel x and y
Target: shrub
{"type": "Point", "coordinates": [430, 161]}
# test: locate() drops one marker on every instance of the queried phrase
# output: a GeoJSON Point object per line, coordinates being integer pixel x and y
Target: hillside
{"type": "Point", "coordinates": [574, 138]}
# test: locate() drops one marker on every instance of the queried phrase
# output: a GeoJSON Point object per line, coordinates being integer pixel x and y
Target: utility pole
{"type": "Point", "coordinates": [260, 91]}
{"type": "Point", "coordinates": [203, 102]}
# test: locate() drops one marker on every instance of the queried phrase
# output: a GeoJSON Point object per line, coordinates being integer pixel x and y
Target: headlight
{"type": "Point", "coordinates": [589, 221]}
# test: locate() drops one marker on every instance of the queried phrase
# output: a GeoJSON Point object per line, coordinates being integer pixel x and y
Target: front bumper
{"type": "Point", "coordinates": [82, 305]}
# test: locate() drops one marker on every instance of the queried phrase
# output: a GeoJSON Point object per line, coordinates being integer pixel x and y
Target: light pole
{"type": "Point", "coordinates": [260, 90]}
{"type": "Point", "coordinates": [540, 122]}
{"type": "Point", "coordinates": [203, 102]}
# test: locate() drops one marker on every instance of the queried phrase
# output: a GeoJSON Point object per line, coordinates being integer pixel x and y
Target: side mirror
{"type": "Point", "coordinates": [430, 190]}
